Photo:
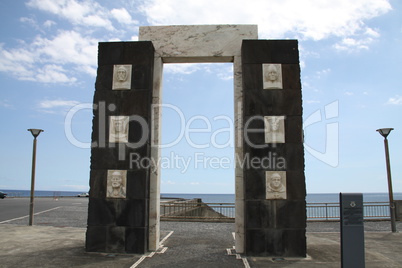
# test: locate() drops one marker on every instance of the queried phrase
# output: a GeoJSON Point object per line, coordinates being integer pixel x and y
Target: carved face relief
{"type": "Point", "coordinates": [272, 76]}
{"type": "Point", "coordinates": [118, 129]}
{"type": "Point", "coordinates": [121, 77]}
{"type": "Point", "coordinates": [121, 74]}
{"type": "Point", "coordinates": [272, 73]}
{"type": "Point", "coordinates": [116, 183]}
{"type": "Point", "coordinates": [275, 184]}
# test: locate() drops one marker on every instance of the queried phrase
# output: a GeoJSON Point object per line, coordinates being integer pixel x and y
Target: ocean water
{"type": "Point", "coordinates": [206, 198]}
{"type": "Point", "coordinates": [216, 198]}
{"type": "Point", "coordinates": [311, 198]}
{"type": "Point", "coordinates": [27, 193]}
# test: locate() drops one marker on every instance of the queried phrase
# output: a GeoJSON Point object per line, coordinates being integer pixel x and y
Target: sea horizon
{"type": "Point", "coordinates": [214, 197]}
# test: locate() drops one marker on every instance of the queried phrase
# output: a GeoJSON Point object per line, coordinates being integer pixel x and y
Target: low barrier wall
{"type": "Point", "coordinates": [196, 210]}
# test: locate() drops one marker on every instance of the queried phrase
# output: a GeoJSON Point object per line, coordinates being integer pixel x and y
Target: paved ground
{"type": "Point", "coordinates": [44, 246]}
{"type": "Point", "coordinates": [189, 244]}
{"type": "Point", "coordinates": [196, 245]}
{"type": "Point", "coordinates": [62, 212]}
{"type": "Point", "coordinates": [382, 249]}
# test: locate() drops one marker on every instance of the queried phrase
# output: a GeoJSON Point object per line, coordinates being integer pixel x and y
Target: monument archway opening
{"type": "Point", "coordinates": [197, 154]}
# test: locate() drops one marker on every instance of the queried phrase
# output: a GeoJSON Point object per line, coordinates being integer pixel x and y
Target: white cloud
{"type": "Point", "coordinates": [31, 22]}
{"type": "Point", "coordinates": [91, 70]}
{"type": "Point", "coordinates": [61, 57]}
{"type": "Point", "coordinates": [348, 93]}
{"type": "Point", "coordinates": [114, 39]}
{"type": "Point", "coordinates": [122, 16]}
{"type": "Point", "coordinates": [371, 32]}
{"type": "Point", "coordinates": [323, 72]}
{"type": "Point", "coordinates": [397, 100]}
{"type": "Point", "coordinates": [52, 74]}
{"type": "Point", "coordinates": [309, 19]}
{"type": "Point", "coordinates": [54, 60]}
{"type": "Point", "coordinates": [49, 23]}
{"type": "Point", "coordinates": [353, 44]}
{"type": "Point", "coordinates": [222, 71]}
{"type": "Point", "coordinates": [6, 104]}
{"type": "Point", "coordinates": [85, 13]}
{"type": "Point", "coordinates": [27, 20]}
{"type": "Point", "coordinates": [49, 104]}
{"type": "Point", "coordinates": [56, 106]}
{"type": "Point", "coordinates": [183, 68]}
{"type": "Point", "coordinates": [68, 47]}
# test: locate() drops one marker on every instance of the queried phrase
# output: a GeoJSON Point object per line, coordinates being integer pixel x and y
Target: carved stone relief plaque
{"type": "Point", "coordinates": [116, 183]}
{"type": "Point", "coordinates": [275, 184]}
{"type": "Point", "coordinates": [118, 131]}
{"type": "Point", "coordinates": [272, 76]}
{"type": "Point", "coordinates": [121, 77]}
{"type": "Point", "coordinates": [274, 129]}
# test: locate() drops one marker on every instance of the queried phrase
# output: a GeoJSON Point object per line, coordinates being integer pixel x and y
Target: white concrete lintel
{"type": "Point", "coordinates": [203, 43]}
{"type": "Point", "coordinates": [197, 59]}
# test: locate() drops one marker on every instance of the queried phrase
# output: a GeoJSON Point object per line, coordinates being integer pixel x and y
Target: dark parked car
{"type": "Point", "coordinates": [2, 195]}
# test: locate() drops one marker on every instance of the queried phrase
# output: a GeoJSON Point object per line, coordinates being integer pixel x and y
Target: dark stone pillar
{"type": "Point", "coordinates": [120, 224]}
{"type": "Point", "coordinates": [273, 227]}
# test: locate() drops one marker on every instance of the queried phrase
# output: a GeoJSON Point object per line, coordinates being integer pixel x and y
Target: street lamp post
{"type": "Point", "coordinates": [385, 132]}
{"type": "Point", "coordinates": [35, 134]}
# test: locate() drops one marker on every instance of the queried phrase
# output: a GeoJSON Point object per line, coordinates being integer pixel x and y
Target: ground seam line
{"type": "Point", "coordinates": [28, 215]}
{"type": "Point", "coordinates": [165, 238]}
{"type": "Point", "coordinates": [238, 256]}
{"type": "Point", "coordinates": [153, 253]}
{"type": "Point", "coordinates": [245, 262]}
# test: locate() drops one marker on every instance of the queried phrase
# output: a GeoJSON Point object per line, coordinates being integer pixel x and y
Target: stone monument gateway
{"type": "Point", "coordinates": [124, 199]}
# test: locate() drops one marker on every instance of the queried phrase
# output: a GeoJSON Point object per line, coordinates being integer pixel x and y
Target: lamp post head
{"type": "Point", "coordinates": [385, 131]}
{"type": "Point", "coordinates": [35, 132]}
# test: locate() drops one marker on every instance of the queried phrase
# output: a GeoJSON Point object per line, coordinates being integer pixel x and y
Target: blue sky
{"type": "Point", "coordinates": [351, 57]}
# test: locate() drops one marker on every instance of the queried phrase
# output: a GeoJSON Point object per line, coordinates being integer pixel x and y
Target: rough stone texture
{"type": "Point", "coordinates": [121, 225]}
{"type": "Point", "coordinates": [273, 227]}
{"type": "Point", "coordinates": [198, 43]}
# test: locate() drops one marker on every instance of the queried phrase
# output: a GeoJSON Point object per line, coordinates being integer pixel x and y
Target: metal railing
{"type": "Point", "coordinates": [196, 209]}
{"type": "Point", "coordinates": [322, 211]}
{"type": "Point", "coordinates": [330, 211]}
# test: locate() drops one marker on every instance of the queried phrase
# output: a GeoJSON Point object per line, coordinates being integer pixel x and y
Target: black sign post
{"type": "Point", "coordinates": [352, 230]}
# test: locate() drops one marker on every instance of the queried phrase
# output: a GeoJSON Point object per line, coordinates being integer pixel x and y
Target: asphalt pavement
{"type": "Point", "coordinates": [66, 211]}
{"type": "Point", "coordinates": [58, 238]}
